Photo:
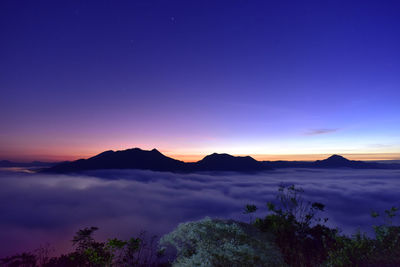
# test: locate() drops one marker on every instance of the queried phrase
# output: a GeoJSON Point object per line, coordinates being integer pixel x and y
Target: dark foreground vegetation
{"type": "Point", "coordinates": [292, 234]}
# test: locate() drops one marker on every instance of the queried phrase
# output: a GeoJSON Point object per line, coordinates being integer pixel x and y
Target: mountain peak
{"type": "Point", "coordinates": [336, 158]}
{"type": "Point", "coordinates": [218, 155]}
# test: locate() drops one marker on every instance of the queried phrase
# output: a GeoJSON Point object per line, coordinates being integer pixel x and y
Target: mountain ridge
{"type": "Point", "coordinates": [136, 158]}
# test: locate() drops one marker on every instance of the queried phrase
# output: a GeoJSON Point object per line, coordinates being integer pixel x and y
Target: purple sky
{"type": "Point", "coordinates": [265, 78]}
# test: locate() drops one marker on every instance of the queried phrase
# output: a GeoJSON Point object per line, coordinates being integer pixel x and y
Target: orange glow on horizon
{"type": "Point", "coordinates": [47, 156]}
{"type": "Point", "coordinates": [298, 157]}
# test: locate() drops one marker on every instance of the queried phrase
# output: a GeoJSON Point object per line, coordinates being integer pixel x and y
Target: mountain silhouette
{"type": "Point", "coordinates": [137, 158]}
{"type": "Point", "coordinates": [334, 161]}
{"type": "Point", "coordinates": [226, 162]}
{"type": "Point", "coordinates": [8, 164]}
{"type": "Point", "coordinates": [134, 158]}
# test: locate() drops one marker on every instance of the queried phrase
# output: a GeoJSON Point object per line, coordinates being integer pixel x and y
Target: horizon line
{"type": "Point", "coordinates": [196, 157]}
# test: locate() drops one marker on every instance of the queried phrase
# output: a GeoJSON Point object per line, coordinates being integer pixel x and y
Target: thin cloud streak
{"type": "Point", "coordinates": [321, 131]}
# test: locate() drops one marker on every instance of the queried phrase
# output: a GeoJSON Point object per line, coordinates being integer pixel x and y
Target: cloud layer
{"type": "Point", "coordinates": [36, 209]}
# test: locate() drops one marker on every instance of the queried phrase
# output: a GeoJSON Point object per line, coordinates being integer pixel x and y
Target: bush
{"type": "Point", "coordinates": [140, 251]}
{"type": "Point", "coordinates": [299, 233]}
{"type": "Point", "coordinates": [361, 250]}
{"type": "Point", "coordinates": [19, 260]}
{"type": "Point", "coordinates": [304, 241]}
{"type": "Point", "coordinates": [221, 243]}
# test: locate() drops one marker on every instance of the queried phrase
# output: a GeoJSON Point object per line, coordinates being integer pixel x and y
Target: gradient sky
{"type": "Point", "coordinates": [265, 78]}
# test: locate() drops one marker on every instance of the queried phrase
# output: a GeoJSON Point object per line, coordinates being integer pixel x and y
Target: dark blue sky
{"type": "Point", "coordinates": [194, 77]}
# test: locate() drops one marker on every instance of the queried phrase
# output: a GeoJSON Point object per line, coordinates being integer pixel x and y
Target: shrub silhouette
{"type": "Point", "coordinates": [304, 240]}
{"type": "Point", "coordinates": [299, 232]}
{"type": "Point", "coordinates": [361, 250]}
{"type": "Point", "coordinates": [89, 252]}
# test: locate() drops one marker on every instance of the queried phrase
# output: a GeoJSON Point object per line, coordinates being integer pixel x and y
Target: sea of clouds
{"type": "Point", "coordinates": [36, 209]}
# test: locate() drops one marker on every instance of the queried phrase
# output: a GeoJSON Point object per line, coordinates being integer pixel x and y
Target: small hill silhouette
{"type": "Point", "coordinates": [226, 162]}
{"type": "Point", "coordinates": [337, 161]}
{"type": "Point", "coordinates": [7, 164]}
{"type": "Point", "coordinates": [334, 161]}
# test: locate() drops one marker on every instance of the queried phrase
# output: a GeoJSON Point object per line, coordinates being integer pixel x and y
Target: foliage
{"type": "Point", "coordinates": [113, 252]}
{"type": "Point", "coordinates": [304, 240]}
{"type": "Point", "coordinates": [361, 250]}
{"type": "Point", "coordinates": [42, 254]}
{"type": "Point", "coordinates": [298, 232]}
{"type": "Point", "coordinates": [221, 243]}
{"type": "Point", "coordinates": [249, 209]}
{"type": "Point", "coordinates": [19, 260]}
{"type": "Point", "coordinates": [89, 252]}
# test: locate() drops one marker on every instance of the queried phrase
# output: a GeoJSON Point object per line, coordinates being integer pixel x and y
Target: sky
{"type": "Point", "coordinates": [271, 79]}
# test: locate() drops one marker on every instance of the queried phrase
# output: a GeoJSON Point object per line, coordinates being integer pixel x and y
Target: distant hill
{"type": "Point", "coordinates": [334, 161]}
{"type": "Point", "coordinates": [137, 158]}
{"type": "Point", "coordinates": [9, 164]}
{"type": "Point", "coordinates": [226, 162]}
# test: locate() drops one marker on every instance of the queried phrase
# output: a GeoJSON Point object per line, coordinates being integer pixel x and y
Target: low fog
{"type": "Point", "coordinates": [36, 209]}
